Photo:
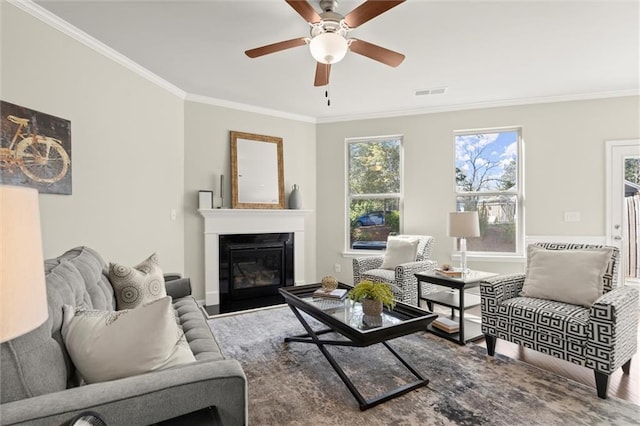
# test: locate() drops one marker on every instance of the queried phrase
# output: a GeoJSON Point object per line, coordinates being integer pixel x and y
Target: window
{"type": "Point", "coordinates": [489, 179]}
{"type": "Point", "coordinates": [374, 191]}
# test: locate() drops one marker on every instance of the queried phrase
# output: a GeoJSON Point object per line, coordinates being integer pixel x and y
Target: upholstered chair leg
{"type": "Point", "coordinates": [602, 382]}
{"type": "Point", "coordinates": [491, 344]}
{"type": "Point", "coordinates": [626, 367]}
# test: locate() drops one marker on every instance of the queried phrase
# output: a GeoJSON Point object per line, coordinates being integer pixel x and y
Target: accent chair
{"type": "Point", "coordinates": [593, 326]}
{"type": "Point", "coordinates": [399, 274]}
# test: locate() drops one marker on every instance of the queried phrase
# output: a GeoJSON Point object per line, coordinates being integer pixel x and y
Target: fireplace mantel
{"type": "Point", "coordinates": [247, 221]}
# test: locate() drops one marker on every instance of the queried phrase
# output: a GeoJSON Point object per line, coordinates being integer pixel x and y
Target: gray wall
{"type": "Point", "coordinates": [127, 144]}
{"type": "Point", "coordinates": [564, 170]}
{"type": "Point", "coordinates": [207, 155]}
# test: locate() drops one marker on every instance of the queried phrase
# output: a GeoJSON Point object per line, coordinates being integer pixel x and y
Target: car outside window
{"type": "Point", "coordinates": [374, 191]}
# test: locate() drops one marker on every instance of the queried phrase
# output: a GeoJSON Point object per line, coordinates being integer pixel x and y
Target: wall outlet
{"type": "Point", "coordinates": [572, 216]}
{"type": "Point", "coordinates": [173, 214]}
{"type": "Point", "coordinates": [337, 267]}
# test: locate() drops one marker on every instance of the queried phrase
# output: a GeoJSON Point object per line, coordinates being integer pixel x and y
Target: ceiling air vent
{"type": "Point", "coordinates": [432, 91]}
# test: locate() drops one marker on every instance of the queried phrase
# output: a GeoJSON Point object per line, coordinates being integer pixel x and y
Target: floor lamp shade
{"type": "Point", "coordinates": [23, 297]}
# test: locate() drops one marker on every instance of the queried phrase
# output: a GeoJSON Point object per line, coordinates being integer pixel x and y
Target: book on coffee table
{"type": "Point", "coordinates": [449, 273]}
{"type": "Point", "coordinates": [446, 324]}
{"type": "Point", "coordinates": [337, 294]}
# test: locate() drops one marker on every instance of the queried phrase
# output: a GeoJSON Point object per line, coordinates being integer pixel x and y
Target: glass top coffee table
{"type": "Point", "coordinates": [346, 318]}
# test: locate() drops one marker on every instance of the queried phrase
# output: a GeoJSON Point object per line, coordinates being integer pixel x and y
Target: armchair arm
{"type": "Point", "coordinates": [143, 399]}
{"type": "Point", "coordinates": [502, 287]}
{"type": "Point", "coordinates": [364, 264]}
{"type": "Point", "coordinates": [493, 292]}
{"type": "Point", "coordinates": [406, 281]}
{"type": "Point", "coordinates": [613, 330]}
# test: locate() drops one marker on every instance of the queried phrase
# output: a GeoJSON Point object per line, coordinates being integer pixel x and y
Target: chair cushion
{"type": "Point", "coordinates": [570, 276]}
{"type": "Point", "coordinates": [400, 249]}
{"type": "Point", "coordinates": [539, 317]}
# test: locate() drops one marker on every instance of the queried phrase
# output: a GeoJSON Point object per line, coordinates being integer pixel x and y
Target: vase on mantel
{"type": "Point", "coordinates": [295, 199]}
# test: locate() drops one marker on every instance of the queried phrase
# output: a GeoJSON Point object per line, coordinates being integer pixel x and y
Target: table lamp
{"type": "Point", "coordinates": [23, 295]}
{"type": "Point", "coordinates": [463, 225]}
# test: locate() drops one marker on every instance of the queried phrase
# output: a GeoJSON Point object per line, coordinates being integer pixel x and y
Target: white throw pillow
{"type": "Point", "coordinates": [569, 276]}
{"type": "Point", "coordinates": [136, 285]}
{"type": "Point", "coordinates": [399, 250]}
{"type": "Point", "coordinates": [108, 345]}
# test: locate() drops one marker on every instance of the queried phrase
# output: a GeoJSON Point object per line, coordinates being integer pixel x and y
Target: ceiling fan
{"type": "Point", "coordinates": [328, 42]}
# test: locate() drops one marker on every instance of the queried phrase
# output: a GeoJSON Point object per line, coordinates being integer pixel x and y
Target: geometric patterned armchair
{"type": "Point", "coordinates": [602, 337]}
{"type": "Point", "coordinates": [401, 277]}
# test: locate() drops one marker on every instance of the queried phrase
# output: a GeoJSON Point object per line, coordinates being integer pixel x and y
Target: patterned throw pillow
{"type": "Point", "coordinates": [136, 285]}
{"type": "Point", "coordinates": [108, 345]}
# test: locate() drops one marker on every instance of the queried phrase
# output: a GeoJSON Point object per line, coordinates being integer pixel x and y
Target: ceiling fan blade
{"type": "Point", "coordinates": [322, 74]}
{"type": "Point", "coordinates": [275, 47]}
{"type": "Point", "coordinates": [305, 10]}
{"type": "Point", "coordinates": [369, 10]}
{"type": "Point", "coordinates": [377, 53]}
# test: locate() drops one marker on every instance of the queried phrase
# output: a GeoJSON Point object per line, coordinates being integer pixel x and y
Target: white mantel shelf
{"type": "Point", "coordinates": [248, 221]}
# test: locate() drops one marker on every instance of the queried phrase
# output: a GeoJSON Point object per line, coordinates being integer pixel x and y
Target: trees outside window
{"type": "Point", "coordinates": [374, 191]}
{"type": "Point", "coordinates": [489, 179]}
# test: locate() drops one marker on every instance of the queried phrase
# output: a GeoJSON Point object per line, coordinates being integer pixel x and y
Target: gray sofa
{"type": "Point", "coordinates": [38, 380]}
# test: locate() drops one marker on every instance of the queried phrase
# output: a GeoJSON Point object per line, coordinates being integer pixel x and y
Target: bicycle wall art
{"type": "Point", "coordinates": [35, 149]}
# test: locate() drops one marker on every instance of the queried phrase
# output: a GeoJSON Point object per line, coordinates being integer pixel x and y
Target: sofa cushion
{"type": "Point", "coordinates": [136, 285]}
{"type": "Point", "coordinates": [537, 318]}
{"type": "Point", "coordinates": [196, 330]}
{"type": "Point", "coordinates": [107, 345]}
{"type": "Point", "coordinates": [570, 276]}
{"type": "Point", "coordinates": [399, 250]}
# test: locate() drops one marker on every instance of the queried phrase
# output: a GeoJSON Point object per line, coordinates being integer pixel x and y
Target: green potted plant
{"type": "Point", "coordinates": [372, 296]}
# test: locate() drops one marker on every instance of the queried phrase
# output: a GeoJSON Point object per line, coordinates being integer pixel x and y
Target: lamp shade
{"type": "Point", "coordinates": [328, 48]}
{"type": "Point", "coordinates": [23, 296]}
{"type": "Point", "coordinates": [464, 224]}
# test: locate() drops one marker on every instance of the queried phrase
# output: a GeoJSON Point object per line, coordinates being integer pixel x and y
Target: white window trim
{"type": "Point", "coordinates": [348, 251]}
{"type": "Point", "coordinates": [519, 255]}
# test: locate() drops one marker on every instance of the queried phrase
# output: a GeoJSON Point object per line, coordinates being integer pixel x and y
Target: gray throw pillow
{"type": "Point", "coordinates": [139, 284]}
{"type": "Point", "coordinates": [569, 276]}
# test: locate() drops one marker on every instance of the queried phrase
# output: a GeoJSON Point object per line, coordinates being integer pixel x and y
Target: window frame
{"type": "Point", "coordinates": [519, 252]}
{"type": "Point", "coordinates": [348, 197]}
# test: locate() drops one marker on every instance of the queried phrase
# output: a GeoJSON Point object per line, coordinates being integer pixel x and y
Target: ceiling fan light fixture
{"type": "Point", "coordinates": [328, 47]}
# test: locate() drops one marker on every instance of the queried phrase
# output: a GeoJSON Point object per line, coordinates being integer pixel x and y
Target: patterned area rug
{"type": "Point", "coordinates": [293, 383]}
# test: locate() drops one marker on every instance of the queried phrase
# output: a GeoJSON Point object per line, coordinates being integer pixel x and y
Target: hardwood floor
{"type": "Point", "coordinates": [622, 386]}
{"type": "Point", "coordinates": [626, 387]}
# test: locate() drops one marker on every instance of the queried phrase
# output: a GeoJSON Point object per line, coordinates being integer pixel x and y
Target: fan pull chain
{"type": "Point", "coordinates": [326, 95]}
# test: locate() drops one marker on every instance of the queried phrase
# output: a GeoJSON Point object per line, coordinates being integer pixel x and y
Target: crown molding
{"type": "Point", "coordinates": [249, 108]}
{"type": "Point", "coordinates": [77, 34]}
{"type": "Point", "coordinates": [480, 105]}
{"type": "Point", "coordinates": [66, 28]}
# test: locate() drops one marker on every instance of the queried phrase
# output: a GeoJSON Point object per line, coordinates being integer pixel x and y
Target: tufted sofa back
{"type": "Point", "coordinates": [37, 362]}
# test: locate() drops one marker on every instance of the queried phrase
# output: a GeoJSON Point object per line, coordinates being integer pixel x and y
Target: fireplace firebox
{"type": "Point", "coordinates": [252, 269]}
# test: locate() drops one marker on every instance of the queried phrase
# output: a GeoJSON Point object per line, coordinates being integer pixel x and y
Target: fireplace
{"type": "Point", "coordinates": [223, 222]}
{"type": "Point", "coordinates": [252, 267]}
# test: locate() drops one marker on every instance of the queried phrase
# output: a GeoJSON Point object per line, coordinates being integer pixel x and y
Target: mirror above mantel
{"type": "Point", "coordinates": [257, 171]}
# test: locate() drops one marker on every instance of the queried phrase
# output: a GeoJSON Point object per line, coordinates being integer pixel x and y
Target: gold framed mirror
{"type": "Point", "coordinates": [257, 171]}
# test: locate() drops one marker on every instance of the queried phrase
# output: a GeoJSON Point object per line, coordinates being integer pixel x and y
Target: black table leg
{"type": "Point", "coordinates": [312, 337]}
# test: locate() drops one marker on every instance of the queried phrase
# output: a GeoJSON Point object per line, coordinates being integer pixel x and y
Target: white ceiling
{"type": "Point", "coordinates": [485, 53]}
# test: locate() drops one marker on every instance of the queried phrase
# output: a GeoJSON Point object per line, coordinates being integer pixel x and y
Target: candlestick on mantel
{"type": "Point", "coordinates": [221, 191]}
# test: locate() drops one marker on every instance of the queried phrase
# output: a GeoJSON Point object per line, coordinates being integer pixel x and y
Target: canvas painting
{"type": "Point", "coordinates": [35, 149]}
